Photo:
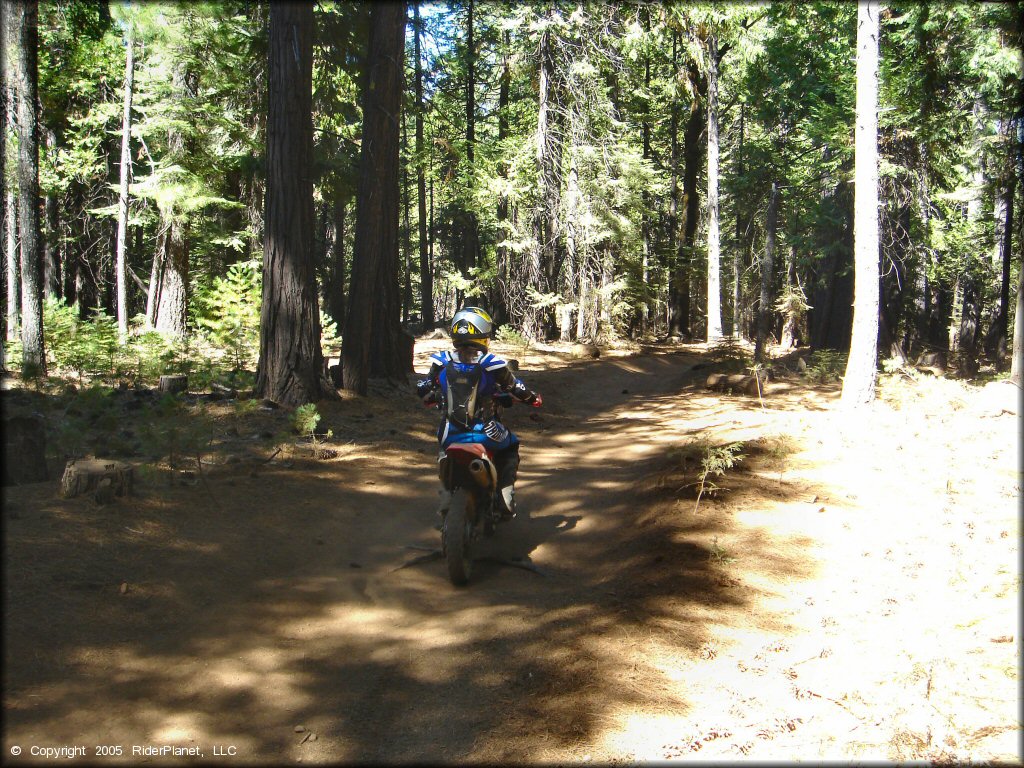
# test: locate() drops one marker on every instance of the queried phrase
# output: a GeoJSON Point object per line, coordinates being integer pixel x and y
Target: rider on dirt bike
{"type": "Point", "coordinates": [464, 382]}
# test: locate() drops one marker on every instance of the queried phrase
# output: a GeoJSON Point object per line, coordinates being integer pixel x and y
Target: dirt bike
{"type": "Point", "coordinates": [469, 475]}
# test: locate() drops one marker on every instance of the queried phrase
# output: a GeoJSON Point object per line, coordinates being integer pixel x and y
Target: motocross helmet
{"type": "Point", "coordinates": [471, 327]}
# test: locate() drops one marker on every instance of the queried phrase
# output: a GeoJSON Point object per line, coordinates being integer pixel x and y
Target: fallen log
{"type": "Point", "coordinates": [737, 382]}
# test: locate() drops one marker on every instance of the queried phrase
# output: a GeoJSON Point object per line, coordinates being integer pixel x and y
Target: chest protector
{"type": "Point", "coordinates": [461, 397]}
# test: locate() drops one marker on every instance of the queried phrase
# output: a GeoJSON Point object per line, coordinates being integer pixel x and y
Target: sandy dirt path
{"type": "Point", "coordinates": [276, 611]}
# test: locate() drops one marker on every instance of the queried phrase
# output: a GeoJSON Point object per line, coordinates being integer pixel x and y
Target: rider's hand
{"type": "Point", "coordinates": [537, 400]}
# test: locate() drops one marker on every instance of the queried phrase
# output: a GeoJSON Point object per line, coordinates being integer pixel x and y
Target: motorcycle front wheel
{"type": "Point", "coordinates": [458, 530]}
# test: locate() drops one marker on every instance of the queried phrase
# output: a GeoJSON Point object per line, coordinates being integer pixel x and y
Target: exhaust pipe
{"type": "Point", "coordinates": [483, 473]}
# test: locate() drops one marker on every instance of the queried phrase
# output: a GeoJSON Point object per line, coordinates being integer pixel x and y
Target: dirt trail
{"type": "Point", "coordinates": [272, 596]}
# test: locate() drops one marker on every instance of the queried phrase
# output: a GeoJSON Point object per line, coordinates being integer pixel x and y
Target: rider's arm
{"type": "Point", "coordinates": [509, 383]}
{"type": "Point", "coordinates": [427, 388]}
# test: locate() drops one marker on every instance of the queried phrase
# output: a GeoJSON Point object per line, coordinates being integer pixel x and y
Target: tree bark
{"type": "Point", "coordinates": [645, 220]}
{"type": "Point", "coordinates": [674, 235]}
{"type": "Point", "coordinates": [861, 368]}
{"type": "Point", "coordinates": [336, 294]}
{"type": "Point", "coordinates": [714, 308]}
{"type": "Point", "coordinates": [1017, 359]}
{"type": "Point", "coordinates": [741, 238]}
{"type": "Point", "coordinates": [501, 251]}
{"type": "Point", "coordinates": [470, 226]}
{"type": "Point", "coordinates": [126, 172]}
{"type": "Point", "coordinates": [1000, 323]}
{"type": "Point", "coordinates": [290, 369]}
{"type": "Point", "coordinates": [51, 249]}
{"type": "Point", "coordinates": [13, 267]}
{"type": "Point", "coordinates": [372, 345]}
{"type": "Point", "coordinates": [3, 178]}
{"type": "Point", "coordinates": [549, 158]}
{"type": "Point", "coordinates": [790, 333]}
{"type": "Point", "coordinates": [170, 283]}
{"type": "Point", "coordinates": [767, 268]}
{"type": "Point", "coordinates": [406, 232]}
{"type": "Point", "coordinates": [25, 28]}
{"type": "Point", "coordinates": [426, 277]}
{"type": "Point", "coordinates": [692, 161]}
{"type": "Point", "coordinates": [170, 290]}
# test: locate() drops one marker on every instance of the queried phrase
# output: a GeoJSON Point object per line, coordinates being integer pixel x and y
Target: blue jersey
{"type": "Point", "coordinates": [465, 391]}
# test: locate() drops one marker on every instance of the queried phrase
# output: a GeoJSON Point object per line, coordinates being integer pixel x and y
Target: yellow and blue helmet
{"type": "Point", "coordinates": [471, 327]}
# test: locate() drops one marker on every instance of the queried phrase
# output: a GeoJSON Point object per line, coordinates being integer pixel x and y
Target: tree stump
{"type": "Point", "coordinates": [174, 383]}
{"type": "Point", "coordinates": [106, 478]}
{"type": "Point", "coordinates": [25, 450]}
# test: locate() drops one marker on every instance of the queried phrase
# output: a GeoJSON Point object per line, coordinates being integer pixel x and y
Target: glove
{"type": "Point", "coordinates": [537, 400]}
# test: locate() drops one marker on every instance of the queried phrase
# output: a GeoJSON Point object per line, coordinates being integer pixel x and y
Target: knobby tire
{"type": "Point", "coordinates": [458, 529]}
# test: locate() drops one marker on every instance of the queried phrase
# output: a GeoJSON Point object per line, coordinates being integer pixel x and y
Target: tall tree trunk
{"type": "Point", "coordinates": [170, 282]}
{"type": "Point", "coordinates": [290, 369]}
{"type": "Point", "coordinates": [645, 222]}
{"type": "Point", "coordinates": [406, 233]}
{"type": "Point", "coordinates": [859, 381]}
{"type": "Point", "coordinates": [25, 29]}
{"type": "Point", "coordinates": [13, 267]}
{"type": "Point", "coordinates": [549, 158]}
{"type": "Point", "coordinates": [788, 339]}
{"type": "Point", "coordinates": [997, 334]}
{"type": "Point", "coordinates": [336, 293]}
{"type": "Point", "coordinates": [1017, 358]}
{"type": "Point", "coordinates": [674, 235]}
{"type": "Point", "coordinates": [51, 249]}
{"type": "Point", "coordinates": [470, 227]}
{"type": "Point", "coordinates": [741, 230]}
{"type": "Point", "coordinates": [11, 299]}
{"type": "Point", "coordinates": [126, 173]}
{"type": "Point", "coordinates": [371, 328]}
{"type": "Point", "coordinates": [426, 276]}
{"type": "Point", "coordinates": [714, 254]}
{"type": "Point", "coordinates": [572, 250]}
{"type": "Point", "coordinates": [692, 162]}
{"type": "Point", "coordinates": [764, 307]}
{"type": "Point", "coordinates": [501, 252]}
{"type": "Point", "coordinates": [171, 288]}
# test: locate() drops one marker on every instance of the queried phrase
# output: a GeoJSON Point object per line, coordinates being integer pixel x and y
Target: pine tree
{"type": "Point", "coordinates": [25, 28]}
{"type": "Point", "coordinates": [290, 369]}
{"type": "Point", "coordinates": [371, 335]}
{"type": "Point", "coordinates": [859, 381]}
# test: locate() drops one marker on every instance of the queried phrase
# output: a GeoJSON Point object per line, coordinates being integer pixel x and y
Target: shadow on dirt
{"type": "Point", "coordinates": [270, 598]}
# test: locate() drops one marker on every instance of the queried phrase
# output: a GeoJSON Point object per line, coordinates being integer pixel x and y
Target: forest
{"type": "Point", "coordinates": [756, 281]}
{"type": "Point", "coordinates": [586, 171]}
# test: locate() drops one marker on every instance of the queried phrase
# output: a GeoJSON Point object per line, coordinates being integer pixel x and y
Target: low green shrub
{"type": "Point", "coordinates": [825, 366]}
